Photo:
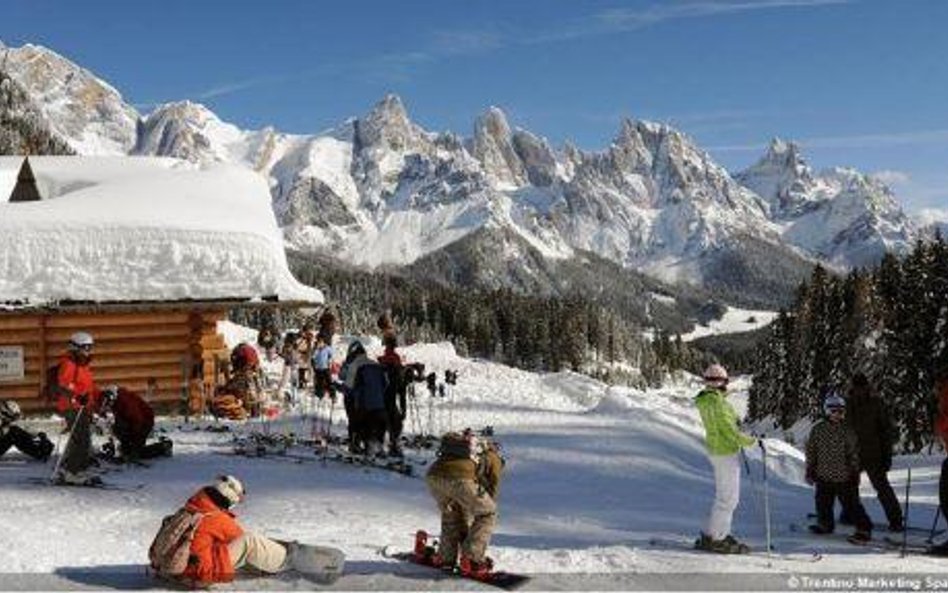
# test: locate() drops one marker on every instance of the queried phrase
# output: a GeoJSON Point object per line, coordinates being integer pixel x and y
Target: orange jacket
{"type": "Point", "coordinates": [75, 380]}
{"type": "Point", "coordinates": [210, 560]}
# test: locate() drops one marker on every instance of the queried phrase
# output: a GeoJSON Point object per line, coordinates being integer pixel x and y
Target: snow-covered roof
{"type": "Point", "coordinates": [142, 229]}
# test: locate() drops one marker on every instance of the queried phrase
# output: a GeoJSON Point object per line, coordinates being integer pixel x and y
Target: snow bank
{"type": "Point", "coordinates": [143, 229]}
{"type": "Point", "coordinates": [733, 321]}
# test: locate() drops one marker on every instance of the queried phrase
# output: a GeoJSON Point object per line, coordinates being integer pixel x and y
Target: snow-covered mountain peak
{"type": "Point", "coordinates": [189, 131]}
{"type": "Point", "coordinates": [493, 147]}
{"type": "Point", "coordinates": [784, 180]}
{"type": "Point", "coordinates": [85, 111]}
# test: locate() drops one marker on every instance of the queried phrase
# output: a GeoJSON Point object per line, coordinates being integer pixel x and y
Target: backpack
{"type": "Point", "coordinates": [459, 445]}
{"type": "Point", "coordinates": [171, 548]}
{"type": "Point", "coordinates": [52, 390]}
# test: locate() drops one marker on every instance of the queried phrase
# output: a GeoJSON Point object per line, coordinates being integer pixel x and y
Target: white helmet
{"type": "Point", "coordinates": [230, 488]}
{"type": "Point", "coordinates": [9, 411]}
{"type": "Point", "coordinates": [716, 375]}
{"type": "Point", "coordinates": [80, 340]}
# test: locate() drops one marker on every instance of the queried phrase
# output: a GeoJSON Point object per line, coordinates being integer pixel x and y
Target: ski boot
{"type": "Point", "coordinates": [820, 529]}
{"type": "Point", "coordinates": [480, 571]}
{"type": "Point", "coordinates": [167, 446]}
{"type": "Point", "coordinates": [725, 545]}
{"type": "Point", "coordinates": [860, 538]}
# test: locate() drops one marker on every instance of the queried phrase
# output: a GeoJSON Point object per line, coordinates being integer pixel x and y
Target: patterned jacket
{"type": "Point", "coordinates": [832, 453]}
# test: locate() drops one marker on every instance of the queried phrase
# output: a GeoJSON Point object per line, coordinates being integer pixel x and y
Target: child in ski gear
{"type": "Point", "coordinates": [868, 417]}
{"type": "Point", "coordinates": [465, 482]}
{"type": "Point", "coordinates": [322, 368]}
{"type": "Point", "coordinates": [396, 395]}
{"type": "Point", "coordinates": [832, 465]}
{"type": "Point", "coordinates": [724, 442]}
{"type": "Point", "coordinates": [36, 446]}
{"type": "Point", "coordinates": [220, 545]}
{"type": "Point", "coordinates": [78, 400]}
{"type": "Point", "coordinates": [132, 422]}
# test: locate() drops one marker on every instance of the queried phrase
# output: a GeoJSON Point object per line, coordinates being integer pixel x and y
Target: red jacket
{"type": "Point", "coordinates": [76, 380]}
{"type": "Point", "coordinates": [211, 562]}
{"type": "Point", "coordinates": [134, 418]}
{"type": "Point", "coordinates": [390, 358]}
{"type": "Point", "coordinates": [941, 421]}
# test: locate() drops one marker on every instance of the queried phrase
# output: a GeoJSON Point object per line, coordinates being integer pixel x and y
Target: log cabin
{"type": "Point", "coordinates": [146, 254]}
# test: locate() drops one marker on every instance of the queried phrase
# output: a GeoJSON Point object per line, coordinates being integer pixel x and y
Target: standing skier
{"type": "Point", "coordinates": [941, 433]}
{"type": "Point", "coordinates": [77, 401]}
{"type": "Point", "coordinates": [11, 435]}
{"type": "Point", "coordinates": [870, 420]}
{"type": "Point", "coordinates": [396, 404]}
{"type": "Point", "coordinates": [464, 481]}
{"type": "Point", "coordinates": [724, 442]}
{"type": "Point", "coordinates": [832, 465]}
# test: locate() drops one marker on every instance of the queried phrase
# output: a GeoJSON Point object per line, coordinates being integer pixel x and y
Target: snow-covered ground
{"type": "Point", "coordinates": [594, 475]}
{"type": "Point", "coordinates": [734, 320]}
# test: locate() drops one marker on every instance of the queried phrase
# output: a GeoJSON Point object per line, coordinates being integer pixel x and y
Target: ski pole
{"type": "Point", "coordinates": [68, 442]}
{"type": "Point", "coordinates": [931, 534]}
{"type": "Point", "coordinates": [763, 451]}
{"type": "Point", "coordinates": [908, 487]}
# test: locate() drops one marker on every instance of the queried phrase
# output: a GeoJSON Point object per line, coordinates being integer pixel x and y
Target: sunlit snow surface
{"type": "Point", "coordinates": [593, 474]}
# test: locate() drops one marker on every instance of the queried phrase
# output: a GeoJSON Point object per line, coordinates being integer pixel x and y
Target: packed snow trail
{"type": "Point", "coordinates": [594, 474]}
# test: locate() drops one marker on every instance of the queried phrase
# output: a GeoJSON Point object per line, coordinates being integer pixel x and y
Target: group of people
{"type": "Point", "coordinates": [854, 436]}
{"type": "Point", "coordinates": [78, 399]}
{"type": "Point", "coordinates": [464, 481]}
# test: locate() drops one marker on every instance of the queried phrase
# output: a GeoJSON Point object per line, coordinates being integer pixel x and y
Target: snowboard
{"type": "Point", "coordinates": [507, 581]}
{"type": "Point", "coordinates": [321, 564]}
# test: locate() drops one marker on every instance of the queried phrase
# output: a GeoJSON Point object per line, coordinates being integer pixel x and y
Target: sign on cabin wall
{"type": "Point", "coordinates": [11, 363]}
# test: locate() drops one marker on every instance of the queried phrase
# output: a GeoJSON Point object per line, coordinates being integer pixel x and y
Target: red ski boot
{"type": "Point", "coordinates": [481, 571]}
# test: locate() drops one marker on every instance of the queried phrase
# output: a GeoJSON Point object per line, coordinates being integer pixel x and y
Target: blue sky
{"type": "Point", "coordinates": [860, 83]}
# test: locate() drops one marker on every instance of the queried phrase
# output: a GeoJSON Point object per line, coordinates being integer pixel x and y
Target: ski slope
{"type": "Point", "coordinates": [594, 474]}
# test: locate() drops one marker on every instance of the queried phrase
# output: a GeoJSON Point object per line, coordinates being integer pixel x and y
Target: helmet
{"type": "Point", "coordinates": [230, 488]}
{"type": "Point", "coordinates": [355, 347]}
{"type": "Point", "coordinates": [833, 402]}
{"type": "Point", "coordinates": [715, 374]}
{"type": "Point", "coordinates": [81, 341]}
{"type": "Point", "coordinates": [9, 411]}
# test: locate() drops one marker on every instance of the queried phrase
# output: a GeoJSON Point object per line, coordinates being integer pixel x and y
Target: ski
{"type": "Point", "coordinates": [507, 581]}
{"type": "Point", "coordinates": [689, 546]}
{"type": "Point", "coordinates": [886, 544]}
{"type": "Point", "coordinates": [96, 485]}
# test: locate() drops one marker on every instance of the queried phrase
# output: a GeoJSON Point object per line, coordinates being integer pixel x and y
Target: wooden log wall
{"type": "Point", "coordinates": [168, 355]}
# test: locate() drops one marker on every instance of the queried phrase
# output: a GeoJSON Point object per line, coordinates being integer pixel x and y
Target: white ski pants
{"type": "Point", "coordinates": [257, 551]}
{"type": "Point", "coordinates": [727, 493]}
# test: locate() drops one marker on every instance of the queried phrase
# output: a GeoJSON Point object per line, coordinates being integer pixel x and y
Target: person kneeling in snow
{"type": "Point", "coordinates": [220, 546]}
{"type": "Point", "coordinates": [724, 442]}
{"type": "Point", "coordinates": [832, 464]}
{"type": "Point", "coordinates": [133, 420]}
{"type": "Point", "coordinates": [464, 481]}
{"type": "Point", "coordinates": [11, 435]}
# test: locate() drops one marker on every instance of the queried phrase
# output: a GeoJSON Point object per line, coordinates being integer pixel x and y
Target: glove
{"type": "Point", "coordinates": [82, 399]}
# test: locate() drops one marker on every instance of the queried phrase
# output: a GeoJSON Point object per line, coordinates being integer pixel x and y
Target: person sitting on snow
{"type": "Point", "coordinates": [132, 422]}
{"type": "Point", "coordinates": [832, 465]}
{"type": "Point", "coordinates": [77, 400]}
{"type": "Point", "coordinates": [465, 482]}
{"type": "Point", "coordinates": [724, 442]}
{"type": "Point", "coordinates": [220, 545]}
{"type": "Point", "coordinates": [36, 446]}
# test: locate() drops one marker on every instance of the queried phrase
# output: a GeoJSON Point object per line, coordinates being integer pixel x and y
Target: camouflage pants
{"type": "Point", "coordinates": [468, 516]}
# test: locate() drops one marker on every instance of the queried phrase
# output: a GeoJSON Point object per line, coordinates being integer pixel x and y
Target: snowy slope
{"type": "Point", "coordinates": [141, 229]}
{"type": "Point", "coordinates": [593, 474]}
